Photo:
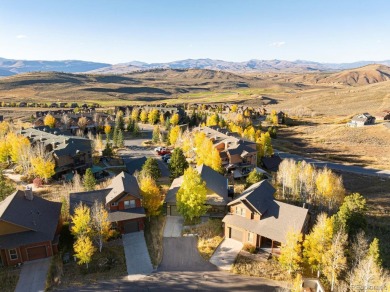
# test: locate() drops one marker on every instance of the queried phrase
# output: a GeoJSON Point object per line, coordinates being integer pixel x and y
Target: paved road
{"type": "Point", "coordinates": [137, 256]}
{"type": "Point", "coordinates": [136, 149]}
{"type": "Point", "coordinates": [181, 254]}
{"type": "Point", "coordinates": [337, 166]}
{"type": "Point", "coordinates": [33, 276]}
{"type": "Point", "coordinates": [185, 281]}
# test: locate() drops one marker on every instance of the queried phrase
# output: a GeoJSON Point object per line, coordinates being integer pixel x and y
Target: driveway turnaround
{"type": "Point", "coordinates": [226, 254]}
{"type": "Point", "coordinates": [137, 256]}
{"type": "Point", "coordinates": [181, 254]}
{"type": "Point", "coordinates": [173, 226]}
{"type": "Point", "coordinates": [33, 276]}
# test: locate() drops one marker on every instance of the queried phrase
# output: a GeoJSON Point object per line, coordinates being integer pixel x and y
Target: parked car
{"type": "Point", "coordinates": [163, 152]}
{"type": "Point", "coordinates": [166, 157]}
{"type": "Point", "coordinates": [160, 148]}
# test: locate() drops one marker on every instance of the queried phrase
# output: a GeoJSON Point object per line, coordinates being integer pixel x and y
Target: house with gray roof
{"type": "Point", "coordinates": [29, 228]}
{"type": "Point", "coordinates": [70, 153]}
{"type": "Point", "coordinates": [255, 217]}
{"type": "Point", "coordinates": [217, 192]}
{"type": "Point", "coordinates": [122, 199]}
{"type": "Point", "coordinates": [361, 120]}
{"type": "Point", "coordinates": [237, 154]}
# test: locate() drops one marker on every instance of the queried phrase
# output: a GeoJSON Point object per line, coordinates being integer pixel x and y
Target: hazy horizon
{"type": "Point", "coordinates": [164, 31]}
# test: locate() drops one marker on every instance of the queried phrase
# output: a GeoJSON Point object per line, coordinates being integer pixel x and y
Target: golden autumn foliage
{"type": "Point", "coordinates": [17, 146]}
{"type": "Point", "coordinates": [49, 121]}
{"type": "Point", "coordinates": [174, 119]}
{"type": "Point", "coordinates": [143, 116]}
{"type": "Point", "coordinates": [43, 168]}
{"type": "Point", "coordinates": [291, 252]}
{"type": "Point", "coordinates": [81, 221]}
{"type": "Point", "coordinates": [151, 196]}
{"type": "Point", "coordinates": [174, 134]}
{"type": "Point", "coordinates": [84, 250]}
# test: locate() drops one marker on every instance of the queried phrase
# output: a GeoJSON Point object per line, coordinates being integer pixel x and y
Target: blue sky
{"type": "Point", "coordinates": [117, 31]}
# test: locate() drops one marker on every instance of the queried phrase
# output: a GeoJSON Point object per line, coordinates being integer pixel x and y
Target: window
{"type": "Point", "coordinates": [250, 237]}
{"type": "Point", "coordinates": [242, 212]}
{"type": "Point", "coordinates": [114, 204]}
{"type": "Point", "coordinates": [13, 254]}
{"type": "Point", "coordinates": [129, 204]}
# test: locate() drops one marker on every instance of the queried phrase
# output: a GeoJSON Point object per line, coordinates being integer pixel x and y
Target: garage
{"type": "Point", "coordinates": [35, 253]}
{"type": "Point", "coordinates": [174, 211]}
{"type": "Point", "coordinates": [131, 226]}
{"type": "Point", "coordinates": [235, 234]}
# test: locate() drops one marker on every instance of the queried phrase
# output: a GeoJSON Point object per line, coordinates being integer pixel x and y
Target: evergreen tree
{"type": "Point", "coordinates": [151, 168]}
{"type": "Point", "coordinates": [107, 150]}
{"type": "Point", "coordinates": [115, 137]}
{"type": "Point", "coordinates": [351, 215]}
{"type": "Point", "coordinates": [156, 134]}
{"type": "Point", "coordinates": [119, 121]}
{"type": "Point", "coordinates": [121, 141]}
{"type": "Point", "coordinates": [178, 164]}
{"type": "Point", "coordinates": [89, 181]}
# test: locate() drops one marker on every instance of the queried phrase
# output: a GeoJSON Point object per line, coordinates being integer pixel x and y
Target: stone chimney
{"type": "Point", "coordinates": [28, 193]}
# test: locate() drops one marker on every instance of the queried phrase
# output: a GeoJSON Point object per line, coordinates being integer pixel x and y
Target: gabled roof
{"type": "Point", "coordinates": [135, 164]}
{"type": "Point", "coordinates": [259, 196]}
{"type": "Point", "coordinates": [127, 214]}
{"type": "Point", "coordinates": [277, 218]}
{"type": "Point", "coordinates": [214, 181]}
{"type": "Point", "coordinates": [87, 198]}
{"type": "Point", "coordinates": [271, 163]}
{"type": "Point", "coordinates": [123, 183]}
{"type": "Point", "coordinates": [40, 216]}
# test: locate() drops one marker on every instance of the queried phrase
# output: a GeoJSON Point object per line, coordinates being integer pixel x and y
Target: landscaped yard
{"type": "Point", "coordinates": [8, 279]}
{"type": "Point", "coordinates": [266, 269]}
{"type": "Point", "coordinates": [154, 229]}
{"type": "Point", "coordinates": [210, 235]}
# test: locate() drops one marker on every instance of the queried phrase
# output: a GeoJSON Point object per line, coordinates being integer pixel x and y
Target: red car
{"type": "Point", "coordinates": [163, 152]}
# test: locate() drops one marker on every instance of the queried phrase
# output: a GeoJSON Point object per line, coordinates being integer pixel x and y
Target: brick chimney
{"type": "Point", "coordinates": [28, 193]}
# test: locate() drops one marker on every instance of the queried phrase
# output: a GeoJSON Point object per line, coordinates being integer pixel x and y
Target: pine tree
{"type": "Point", "coordinates": [89, 180]}
{"type": "Point", "coordinates": [351, 215]}
{"type": "Point", "coordinates": [119, 121]}
{"type": "Point", "coordinates": [191, 196]}
{"type": "Point", "coordinates": [115, 137]}
{"type": "Point", "coordinates": [178, 164]}
{"type": "Point", "coordinates": [151, 168]}
{"type": "Point", "coordinates": [121, 141]}
{"type": "Point", "coordinates": [156, 134]}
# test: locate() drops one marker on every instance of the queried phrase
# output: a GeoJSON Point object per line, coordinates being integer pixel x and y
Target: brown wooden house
{"type": "Point", "coordinates": [255, 217]}
{"type": "Point", "coordinates": [29, 228]}
{"type": "Point", "coordinates": [122, 199]}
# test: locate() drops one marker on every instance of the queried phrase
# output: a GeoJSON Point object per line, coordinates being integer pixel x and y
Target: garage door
{"type": "Point", "coordinates": [236, 234]}
{"type": "Point", "coordinates": [131, 227]}
{"type": "Point", "coordinates": [174, 211]}
{"type": "Point", "coordinates": [35, 253]}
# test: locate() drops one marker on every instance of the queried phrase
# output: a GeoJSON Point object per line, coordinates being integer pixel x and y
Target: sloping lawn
{"type": "Point", "coordinates": [210, 235]}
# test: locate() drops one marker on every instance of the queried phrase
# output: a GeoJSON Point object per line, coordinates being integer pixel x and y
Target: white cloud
{"type": "Point", "coordinates": [21, 36]}
{"type": "Point", "coordinates": [277, 44]}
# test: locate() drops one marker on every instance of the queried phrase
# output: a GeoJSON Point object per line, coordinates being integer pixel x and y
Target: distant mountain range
{"type": "Point", "coordinates": [10, 67]}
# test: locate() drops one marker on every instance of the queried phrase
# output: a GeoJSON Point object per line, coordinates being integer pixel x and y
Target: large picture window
{"type": "Point", "coordinates": [129, 204]}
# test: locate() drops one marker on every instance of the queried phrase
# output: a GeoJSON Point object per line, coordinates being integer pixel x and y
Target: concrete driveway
{"type": "Point", "coordinates": [137, 256]}
{"type": "Point", "coordinates": [226, 254]}
{"type": "Point", "coordinates": [173, 226]}
{"type": "Point", "coordinates": [181, 254]}
{"type": "Point", "coordinates": [33, 276]}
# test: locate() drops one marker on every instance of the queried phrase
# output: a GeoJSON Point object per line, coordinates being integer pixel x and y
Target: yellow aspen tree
{"type": "Point", "coordinates": [291, 252]}
{"type": "Point", "coordinates": [4, 128]}
{"type": "Point", "coordinates": [162, 119]}
{"type": "Point", "coordinates": [234, 108]}
{"type": "Point", "coordinates": [4, 150]}
{"type": "Point", "coordinates": [153, 117]}
{"type": "Point", "coordinates": [151, 196]}
{"type": "Point", "coordinates": [107, 129]}
{"type": "Point", "coordinates": [49, 121]}
{"type": "Point", "coordinates": [174, 119]}
{"type": "Point", "coordinates": [135, 114]}
{"type": "Point", "coordinates": [318, 242]}
{"type": "Point", "coordinates": [17, 144]}
{"type": "Point", "coordinates": [43, 168]}
{"type": "Point", "coordinates": [144, 116]}
{"type": "Point", "coordinates": [84, 250]}
{"type": "Point", "coordinates": [216, 161]}
{"type": "Point", "coordinates": [81, 221]}
{"type": "Point", "coordinates": [191, 196]}
{"type": "Point", "coordinates": [174, 134]}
